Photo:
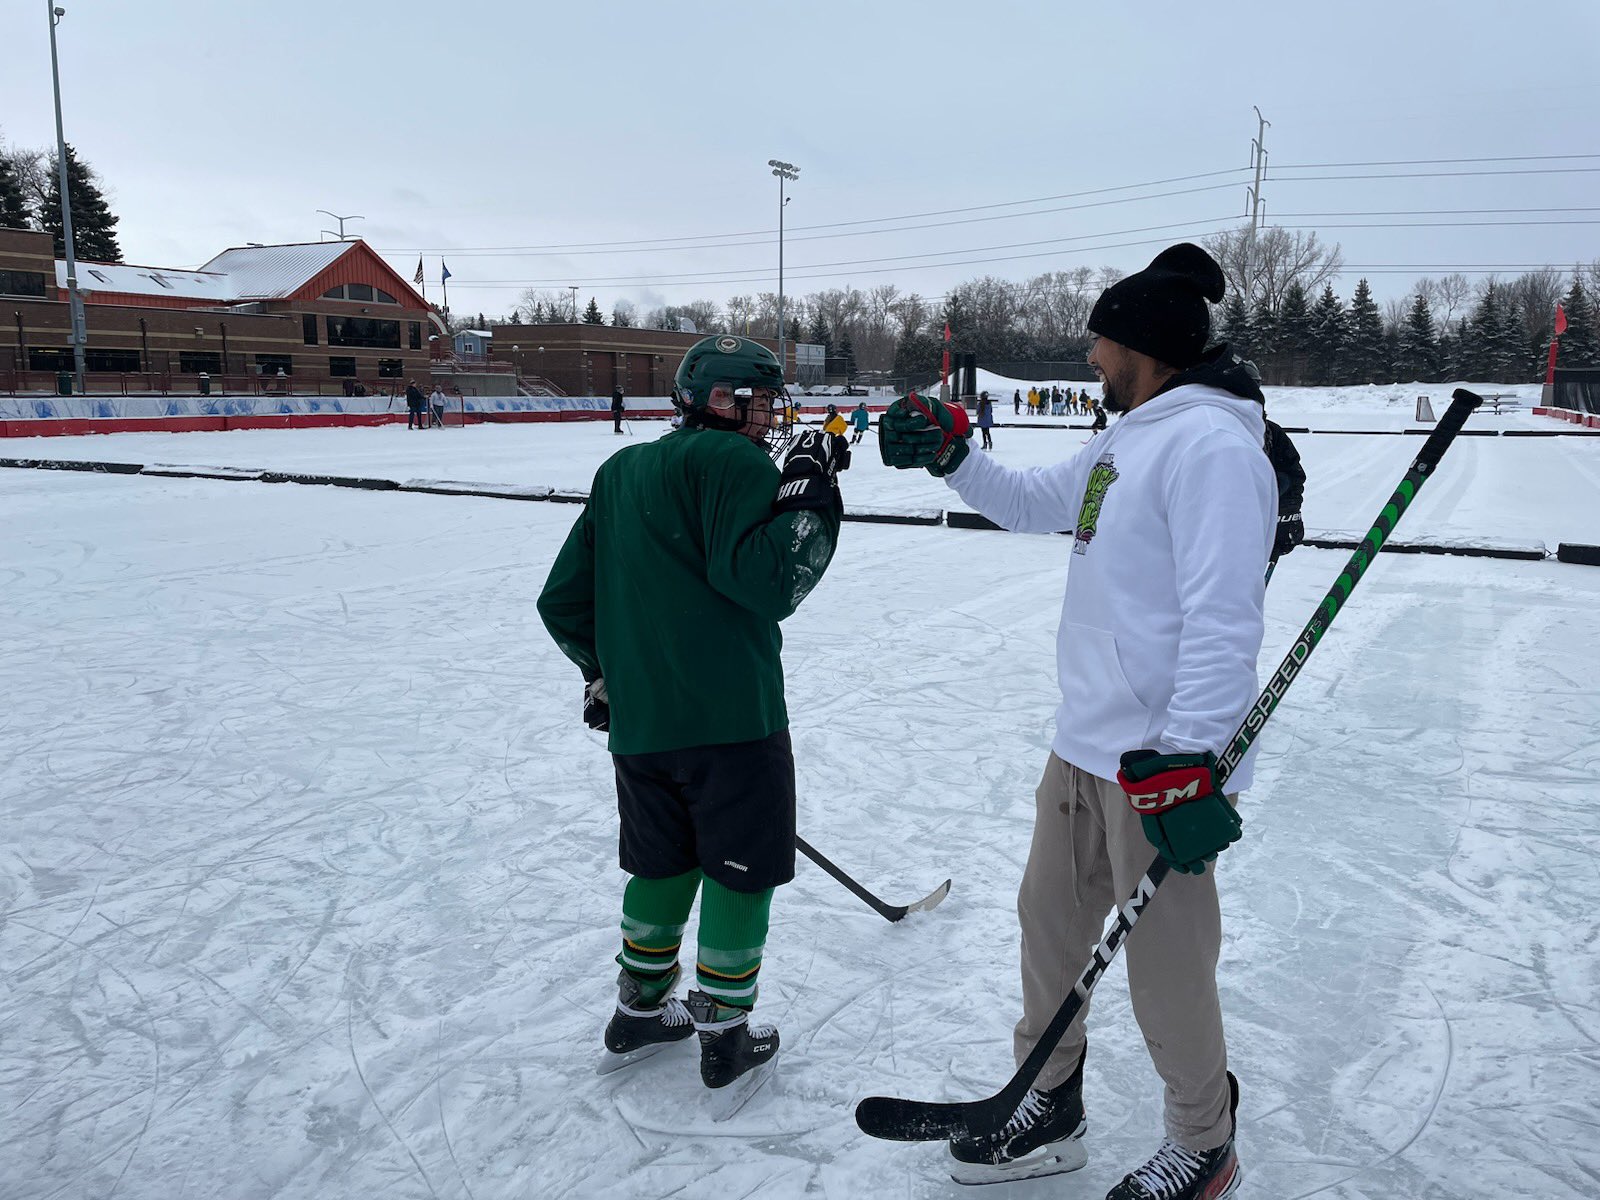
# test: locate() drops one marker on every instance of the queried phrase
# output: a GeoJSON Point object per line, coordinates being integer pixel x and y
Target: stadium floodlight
{"type": "Point", "coordinates": [786, 172]}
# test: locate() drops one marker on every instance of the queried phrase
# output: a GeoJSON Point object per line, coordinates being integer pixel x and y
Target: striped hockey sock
{"type": "Point", "coordinates": [654, 912]}
{"type": "Point", "coordinates": [733, 933]}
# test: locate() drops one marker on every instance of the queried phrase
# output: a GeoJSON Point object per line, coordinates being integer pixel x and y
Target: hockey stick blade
{"type": "Point", "coordinates": [889, 912]}
{"type": "Point", "coordinates": [901, 1120]}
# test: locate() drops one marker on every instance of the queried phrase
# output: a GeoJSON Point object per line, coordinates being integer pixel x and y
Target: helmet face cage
{"type": "Point", "coordinates": [735, 385]}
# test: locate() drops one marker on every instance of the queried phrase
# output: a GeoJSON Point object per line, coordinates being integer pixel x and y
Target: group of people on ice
{"type": "Point", "coordinates": [1053, 401]}
{"type": "Point", "coordinates": [1175, 513]}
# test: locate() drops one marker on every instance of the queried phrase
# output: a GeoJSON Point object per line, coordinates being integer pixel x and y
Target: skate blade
{"type": "Point", "coordinates": [1057, 1158]}
{"type": "Point", "coordinates": [610, 1062]}
{"type": "Point", "coordinates": [725, 1103]}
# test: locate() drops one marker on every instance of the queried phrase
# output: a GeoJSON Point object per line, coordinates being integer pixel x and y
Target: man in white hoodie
{"type": "Point", "coordinates": [1173, 516]}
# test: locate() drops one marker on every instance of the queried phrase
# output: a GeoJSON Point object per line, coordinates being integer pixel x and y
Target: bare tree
{"type": "Point", "coordinates": [1262, 267]}
{"type": "Point", "coordinates": [1450, 295]}
{"type": "Point", "coordinates": [624, 315]}
{"type": "Point", "coordinates": [545, 305]}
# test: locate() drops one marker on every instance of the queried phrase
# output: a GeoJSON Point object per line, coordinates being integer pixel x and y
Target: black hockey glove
{"type": "Point", "coordinates": [809, 473]}
{"type": "Point", "coordinates": [596, 706]}
{"type": "Point", "coordinates": [1291, 532]}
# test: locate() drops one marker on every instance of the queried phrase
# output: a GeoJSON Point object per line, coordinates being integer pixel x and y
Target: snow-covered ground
{"type": "Point", "coordinates": [308, 882]}
{"type": "Point", "coordinates": [1552, 481]}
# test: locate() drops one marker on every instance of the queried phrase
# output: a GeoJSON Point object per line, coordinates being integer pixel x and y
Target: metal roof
{"type": "Point", "coordinates": [275, 272]}
{"type": "Point", "coordinates": [128, 279]}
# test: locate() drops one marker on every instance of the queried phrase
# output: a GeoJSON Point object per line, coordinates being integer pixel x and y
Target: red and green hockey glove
{"type": "Point", "coordinates": [1185, 815]}
{"type": "Point", "coordinates": [919, 431]}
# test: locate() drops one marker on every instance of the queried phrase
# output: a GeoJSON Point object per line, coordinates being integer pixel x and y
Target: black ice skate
{"type": "Point", "coordinates": [1043, 1137]}
{"type": "Point", "coordinates": [1179, 1174]}
{"type": "Point", "coordinates": [636, 1031]}
{"type": "Point", "coordinates": [736, 1056]}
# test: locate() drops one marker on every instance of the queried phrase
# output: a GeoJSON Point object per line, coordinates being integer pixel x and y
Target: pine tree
{"type": "Point", "coordinates": [1294, 335]}
{"type": "Point", "coordinates": [13, 204]}
{"type": "Point", "coordinates": [1580, 344]}
{"type": "Point", "coordinates": [94, 228]}
{"type": "Point", "coordinates": [1508, 357]}
{"type": "Point", "coordinates": [1327, 339]}
{"type": "Point", "coordinates": [1364, 353]}
{"type": "Point", "coordinates": [1233, 326]}
{"type": "Point", "coordinates": [820, 334]}
{"type": "Point", "coordinates": [1419, 345]}
{"type": "Point", "coordinates": [1264, 339]}
{"type": "Point", "coordinates": [592, 315]}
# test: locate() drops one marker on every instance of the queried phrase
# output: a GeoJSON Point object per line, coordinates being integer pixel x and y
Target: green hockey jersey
{"type": "Point", "coordinates": [671, 585]}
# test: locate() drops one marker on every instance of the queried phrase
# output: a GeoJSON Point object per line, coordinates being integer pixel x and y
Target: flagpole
{"type": "Point", "coordinates": [444, 282]}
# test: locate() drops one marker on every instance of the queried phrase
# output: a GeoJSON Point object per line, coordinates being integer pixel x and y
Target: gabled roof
{"type": "Point", "coordinates": [276, 272]}
{"type": "Point", "coordinates": [131, 280]}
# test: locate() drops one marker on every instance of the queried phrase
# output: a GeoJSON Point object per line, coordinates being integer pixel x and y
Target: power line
{"type": "Point", "coordinates": [485, 252]}
{"type": "Point", "coordinates": [1432, 212]}
{"type": "Point", "coordinates": [761, 272]}
{"type": "Point", "coordinates": [942, 212]}
{"type": "Point", "coordinates": [1439, 174]}
{"type": "Point", "coordinates": [1423, 162]}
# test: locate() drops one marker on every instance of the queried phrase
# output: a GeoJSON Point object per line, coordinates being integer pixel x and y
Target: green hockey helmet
{"type": "Point", "coordinates": [733, 384]}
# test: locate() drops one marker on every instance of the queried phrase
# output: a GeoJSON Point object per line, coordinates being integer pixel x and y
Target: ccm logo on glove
{"type": "Point", "coordinates": [1175, 790]}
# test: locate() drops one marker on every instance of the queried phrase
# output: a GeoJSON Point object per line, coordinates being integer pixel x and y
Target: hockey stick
{"type": "Point", "coordinates": [920, 1121]}
{"type": "Point", "coordinates": [890, 912]}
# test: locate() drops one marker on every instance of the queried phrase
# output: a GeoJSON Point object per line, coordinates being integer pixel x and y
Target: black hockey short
{"type": "Point", "coordinates": [728, 810]}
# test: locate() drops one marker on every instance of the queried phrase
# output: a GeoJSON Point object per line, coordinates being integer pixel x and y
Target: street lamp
{"type": "Point", "coordinates": [573, 288]}
{"type": "Point", "coordinates": [74, 300]}
{"type": "Point", "coordinates": [785, 172]}
{"type": "Point", "coordinates": [341, 220]}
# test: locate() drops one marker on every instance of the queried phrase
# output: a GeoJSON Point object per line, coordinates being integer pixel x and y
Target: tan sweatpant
{"type": "Point", "coordinates": [1088, 852]}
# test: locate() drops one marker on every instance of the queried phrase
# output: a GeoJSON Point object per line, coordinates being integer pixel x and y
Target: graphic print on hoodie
{"type": "Point", "coordinates": [1101, 478]}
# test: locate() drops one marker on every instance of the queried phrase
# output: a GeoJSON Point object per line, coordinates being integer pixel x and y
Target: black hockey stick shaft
{"type": "Point", "coordinates": [918, 1121]}
{"type": "Point", "coordinates": [890, 912]}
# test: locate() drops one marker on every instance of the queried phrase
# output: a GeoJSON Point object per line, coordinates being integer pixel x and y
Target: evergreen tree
{"type": "Point", "coordinates": [1508, 357]}
{"type": "Point", "coordinates": [1364, 352]}
{"type": "Point", "coordinates": [1233, 325]}
{"type": "Point", "coordinates": [1294, 335]}
{"type": "Point", "coordinates": [94, 229]}
{"type": "Point", "coordinates": [1327, 339]}
{"type": "Point", "coordinates": [1419, 346]}
{"type": "Point", "coordinates": [1580, 344]}
{"type": "Point", "coordinates": [1264, 338]}
{"type": "Point", "coordinates": [592, 315]}
{"type": "Point", "coordinates": [13, 204]}
{"type": "Point", "coordinates": [819, 334]}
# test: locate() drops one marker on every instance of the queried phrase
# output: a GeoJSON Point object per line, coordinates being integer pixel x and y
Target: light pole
{"type": "Point", "coordinates": [573, 288]}
{"type": "Point", "coordinates": [74, 300]}
{"type": "Point", "coordinates": [785, 172]}
{"type": "Point", "coordinates": [341, 220]}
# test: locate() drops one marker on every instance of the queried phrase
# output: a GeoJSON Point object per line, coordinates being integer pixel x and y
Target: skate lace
{"type": "Point", "coordinates": [760, 1029]}
{"type": "Point", "coordinates": [675, 1014]}
{"type": "Point", "coordinates": [1033, 1104]}
{"type": "Point", "coordinates": [1172, 1168]}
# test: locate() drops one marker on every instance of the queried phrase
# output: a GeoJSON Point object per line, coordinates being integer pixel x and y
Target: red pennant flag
{"type": "Point", "coordinates": [1561, 319]}
{"type": "Point", "coordinates": [947, 331]}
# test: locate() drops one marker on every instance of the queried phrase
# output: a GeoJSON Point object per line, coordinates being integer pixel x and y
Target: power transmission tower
{"type": "Point", "coordinates": [1258, 161]}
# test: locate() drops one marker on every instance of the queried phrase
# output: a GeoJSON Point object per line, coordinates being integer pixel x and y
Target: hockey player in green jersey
{"type": "Point", "coordinates": [667, 595]}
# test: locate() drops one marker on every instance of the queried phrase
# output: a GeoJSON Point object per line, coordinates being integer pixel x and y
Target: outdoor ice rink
{"type": "Point", "coordinates": [308, 883]}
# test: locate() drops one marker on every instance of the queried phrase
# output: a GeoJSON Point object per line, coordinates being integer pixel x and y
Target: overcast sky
{"type": "Point", "coordinates": [472, 130]}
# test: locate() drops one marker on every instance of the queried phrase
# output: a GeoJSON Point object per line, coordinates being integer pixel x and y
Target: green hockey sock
{"type": "Point", "coordinates": [733, 933]}
{"type": "Point", "coordinates": [654, 912]}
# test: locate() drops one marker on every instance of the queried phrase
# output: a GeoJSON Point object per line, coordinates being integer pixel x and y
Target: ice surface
{"type": "Point", "coordinates": [308, 882]}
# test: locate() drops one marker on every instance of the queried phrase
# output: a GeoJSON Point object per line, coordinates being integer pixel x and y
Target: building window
{"type": "Point", "coordinates": [22, 283]}
{"type": "Point", "coordinates": [414, 329]}
{"type": "Point", "coordinates": [390, 368]}
{"type": "Point", "coordinates": [111, 360]}
{"type": "Point", "coordinates": [341, 367]}
{"type": "Point", "coordinates": [49, 358]}
{"type": "Point", "coordinates": [364, 331]}
{"type": "Point", "coordinates": [359, 291]}
{"type": "Point", "coordinates": [308, 326]}
{"type": "Point", "coordinates": [271, 364]}
{"type": "Point", "coordinates": [192, 362]}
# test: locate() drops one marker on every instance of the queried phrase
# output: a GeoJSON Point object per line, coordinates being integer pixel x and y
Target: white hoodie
{"type": "Point", "coordinates": [1162, 618]}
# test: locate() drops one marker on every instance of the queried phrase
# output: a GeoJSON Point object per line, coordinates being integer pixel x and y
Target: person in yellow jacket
{"type": "Point", "coordinates": [1033, 402]}
{"type": "Point", "coordinates": [834, 423]}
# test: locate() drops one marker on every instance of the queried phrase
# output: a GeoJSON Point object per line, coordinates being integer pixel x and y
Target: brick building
{"type": "Point", "coordinates": [324, 314]}
{"type": "Point", "coordinates": [588, 360]}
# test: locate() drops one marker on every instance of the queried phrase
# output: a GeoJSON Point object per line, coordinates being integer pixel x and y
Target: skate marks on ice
{"type": "Point", "coordinates": [350, 874]}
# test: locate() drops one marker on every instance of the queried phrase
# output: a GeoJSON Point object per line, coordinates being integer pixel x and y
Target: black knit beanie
{"type": "Point", "coordinates": [1161, 311]}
